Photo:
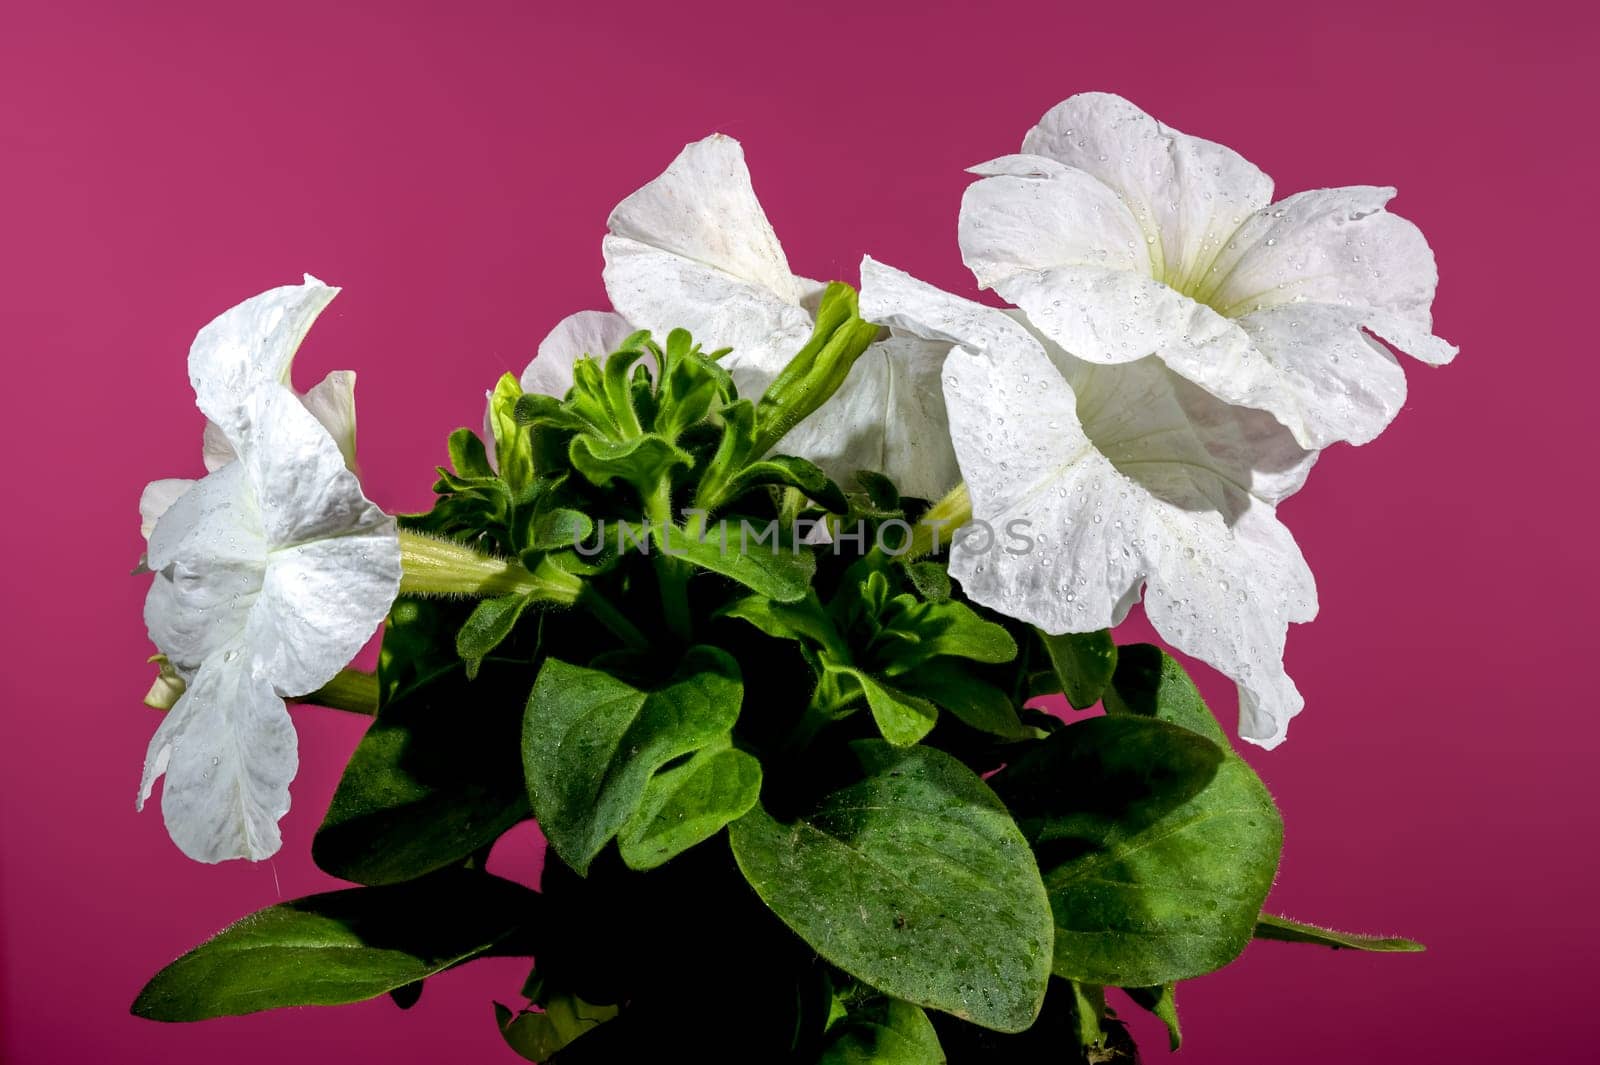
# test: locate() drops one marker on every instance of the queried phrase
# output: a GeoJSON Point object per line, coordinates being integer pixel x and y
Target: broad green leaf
{"type": "Point", "coordinates": [914, 880]}
{"type": "Point", "coordinates": [417, 644]}
{"type": "Point", "coordinates": [902, 718]}
{"type": "Point", "coordinates": [539, 1036]}
{"type": "Point", "coordinates": [689, 804]}
{"type": "Point", "coordinates": [1271, 926]}
{"type": "Point", "coordinates": [591, 743]}
{"type": "Point", "coordinates": [888, 1032]}
{"type": "Point", "coordinates": [343, 946]}
{"type": "Point", "coordinates": [436, 778]}
{"type": "Point", "coordinates": [1150, 683]}
{"type": "Point", "coordinates": [1083, 664]}
{"type": "Point", "coordinates": [1157, 848]}
{"type": "Point", "coordinates": [977, 703]}
{"type": "Point", "coordinates": [487, 627]}
{"type": "Point", "coordinates": [1161, 1001]}
{"type": "Point", "coordinates": [778, 572]}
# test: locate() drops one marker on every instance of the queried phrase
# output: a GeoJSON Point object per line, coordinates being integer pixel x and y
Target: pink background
{"type": "Point", "coordinates": [452, 166]}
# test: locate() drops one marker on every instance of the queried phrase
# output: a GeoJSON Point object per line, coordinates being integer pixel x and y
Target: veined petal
{"type": "Point", "coordinates": [1091, 483]}
{"type": "Point", "coordinates": [888, 417]}
{"type": "Point", "coordinates": [596, 333]}
{"type": "Point", "coordinates": [251, 345]}
{"type": "Point", "coordinates": [1036, 214]}
{"type": "Point", "coordinates": [300, 482]}
{"type": "Point", "coordinates": [319, 603]}
{"type": "Point", "coordinates": [155, 500]}
{"type": "Point", "coordinates": [693, 249]}
{"type": "Point", "coordinates": [1332, 246]}
{"type": "Point", "coordinates": [209, 556]}
{"type": "Point", "coordinates": [332, 402]}
{"type": "Point", "coordinates": [1188, 193]}
{"type": "Point", "coordinates": [229, 751]}
{"type": "Point", "coordinates": [703, 208]}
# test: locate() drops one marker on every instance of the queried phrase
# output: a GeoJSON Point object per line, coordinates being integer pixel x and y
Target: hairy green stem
{"type": "Point", "coordinates": [353, 690]}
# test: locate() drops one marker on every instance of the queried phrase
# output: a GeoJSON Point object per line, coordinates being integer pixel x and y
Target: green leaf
{"type": "Point", "coordinates": [888, 1032]}
{"type": "Point", "coordinates": [339, 947]}
{"type": "Point", "coordinates": [925, 630]}
{"type": "Point", "coordinates": [802, 619]}
{"type": "Point", "coordinates": [688, 804]}
{"type": "Point", "coordinates": [557, 529]}
{"type": "Point", "coordinates": [437, 778]}
{"type": "Point", "coordinates": [977, 703]}
{"type": "Point", "coordinates": [931, 580]}
{"type": "Point", "coordinates": [916, 881]}
{"type": "Point", "coordinates": [1089, 1012]}
{"type": "Point", "coordinates": [789, 472]}
{"type": "Point", "coordinates": [1083, 664]}
{"type": "Point", "coordinates": [1282, 929]}
{"type": "Point", "coordinates": [779, 572]}
{"type": "Point", "coordinates": [467, 455]}
{"type": "Point", "coordinates": [1157, 848]}
{"type": "Point", "coordinates": [487, 626]}
{"type": "Point", "coordinates": [640, 461]}
{"type": "Point", "coordinates": [1150, 683]}
{"type": "Point", "coordinates": [1161, 1001]}
{"type": "Point", "coordinates": [540, 1036]}
{"type": "Point", "coordinates": [592, 743]}
{"type": "Point", "coordinates": [902, 718]}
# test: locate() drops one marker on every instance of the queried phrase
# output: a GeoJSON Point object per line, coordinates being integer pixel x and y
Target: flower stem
{"type": "Point", "coordinates": [431, 566]}
{"type": "Point", "coordinates": [671, 572]}
{"type": "Point", "coordinates": [352, 689]}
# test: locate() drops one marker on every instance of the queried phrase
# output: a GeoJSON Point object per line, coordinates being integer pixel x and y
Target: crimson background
{"type": "Point", "coordinates": [452, 165]}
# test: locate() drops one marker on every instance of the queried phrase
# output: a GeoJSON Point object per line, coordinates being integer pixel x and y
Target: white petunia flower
{"type": "Point", "coordinates": [1121, 238]}
{"type": "Point", "coordinates": [1127, 479]}
{"type": "Point", "coordinates": [693, 249]}
{"type": "Point", "coordinates": [270, 574]}
{"type": "Point", "coordinates": [255, 343]}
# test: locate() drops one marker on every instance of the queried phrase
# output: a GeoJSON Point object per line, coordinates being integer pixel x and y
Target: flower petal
{"type": "Point", "coordinates": [332, 401]}
{"type": "Point", "coordinates": [1188, 193]}
{"type": "Point", "coordinates": [208, 555]}
{"type": "Point", "coordinates": [693, 249]}
{"type": "Point", "coordinates": [229, 751]}
{"type": "Point", "coordinates": [596, 333]}
{"type": "Point", "coordinates": [251, 345]}
{"type": "Point", "coordinates": [320, 602]}
{"type": "Point", "coordinates": [157, 498]}
{"type": "Point", "coordinates": [888, 417]}
{"type": "Point", "coordinates": [1094, 481]}
{"type": "Point", "coordinates": [302, 487]}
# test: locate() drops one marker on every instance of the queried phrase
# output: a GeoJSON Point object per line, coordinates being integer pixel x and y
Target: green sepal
{"type": "Point", "coordinates": [1162, 1001]}
{"type": "Point", "coordinates": [817, 370]}
{"type": "Point", "coordinates": [513, 444]}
